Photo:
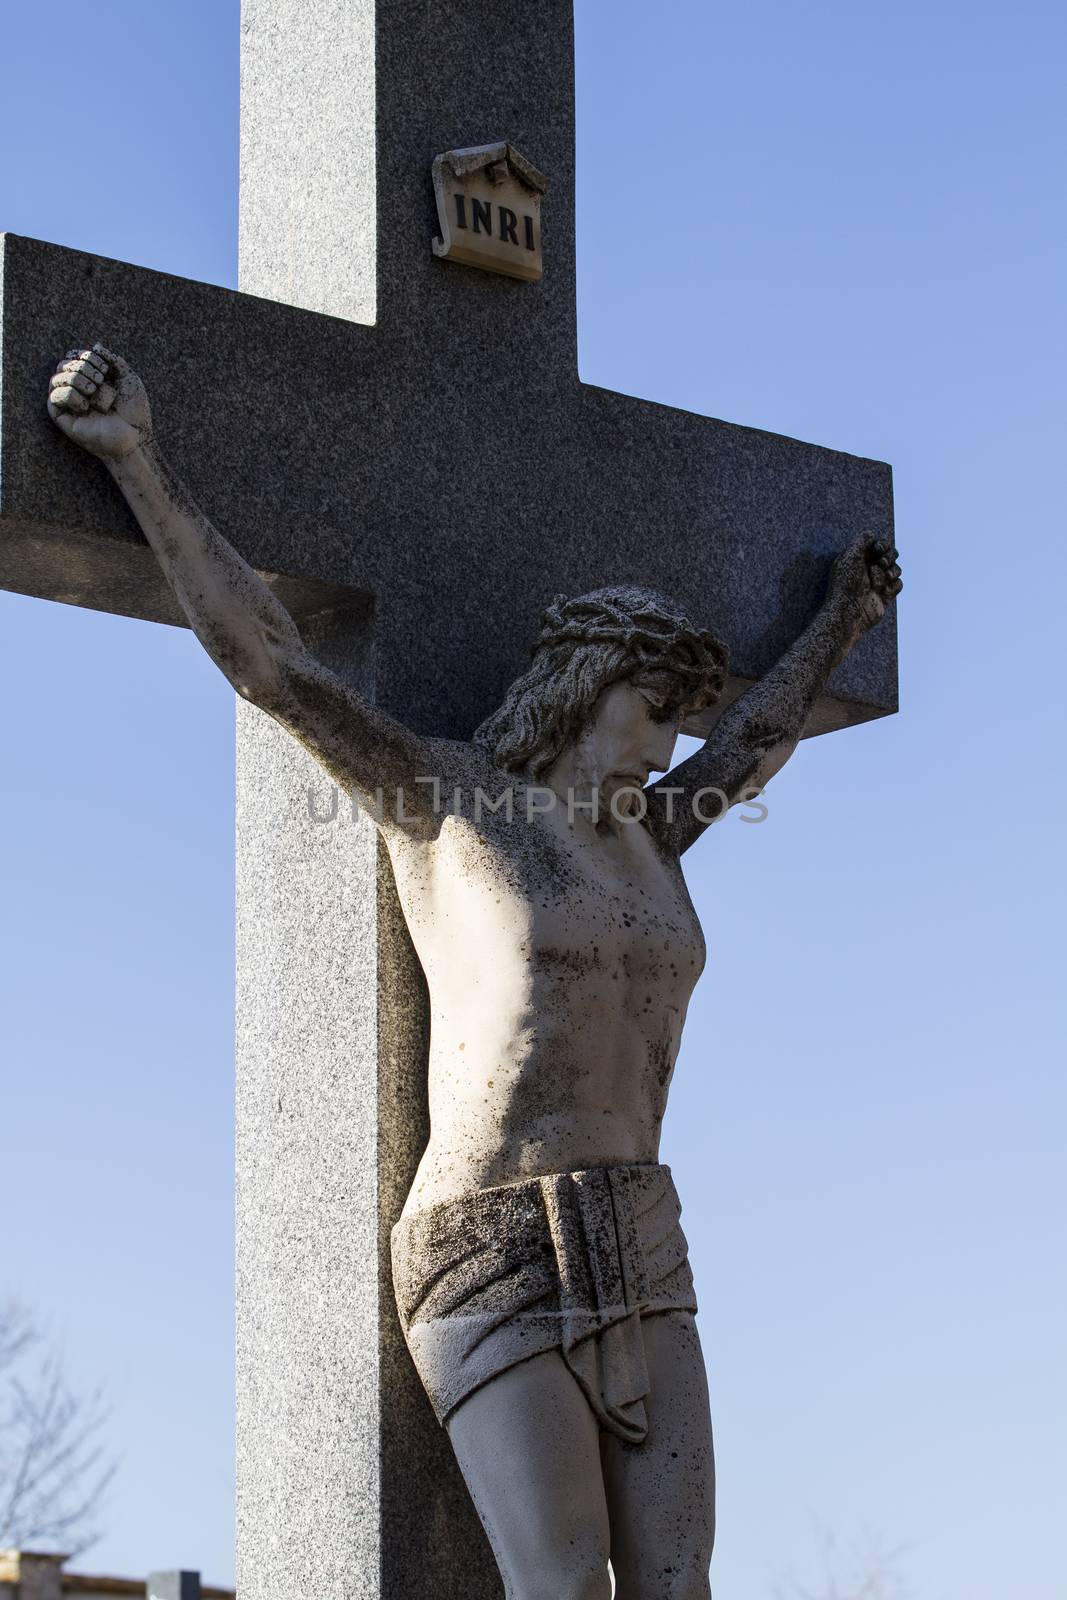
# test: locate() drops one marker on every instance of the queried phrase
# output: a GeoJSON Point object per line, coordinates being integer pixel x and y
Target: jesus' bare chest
{"type": "Point", "coordinates": [538, 902]}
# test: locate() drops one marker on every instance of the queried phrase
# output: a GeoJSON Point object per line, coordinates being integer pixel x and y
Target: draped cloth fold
{"type": "Point", "coordinates": [570, 1262]}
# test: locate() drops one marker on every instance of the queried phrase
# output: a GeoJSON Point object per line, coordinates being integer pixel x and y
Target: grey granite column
{"type": "Point", "coordinates": [346, 1486]}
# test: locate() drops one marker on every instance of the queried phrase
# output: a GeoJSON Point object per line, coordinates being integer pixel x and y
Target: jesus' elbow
{"type": "Point", "coordinates": [249, 688]}
{"type": "Point", "coordinates": [259, 678]}
{"type": "Point", "coordinates": [772, 761]}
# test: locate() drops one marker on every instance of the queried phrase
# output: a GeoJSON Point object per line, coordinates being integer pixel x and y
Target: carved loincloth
{"type": "Point", "coordinates": [570, 1262]}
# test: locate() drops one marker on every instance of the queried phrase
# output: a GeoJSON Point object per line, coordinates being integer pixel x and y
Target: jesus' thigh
{"type": "Point", "coordinates": [661, 1493]}
{"type": "Point", "coordinates": [528, 1446]}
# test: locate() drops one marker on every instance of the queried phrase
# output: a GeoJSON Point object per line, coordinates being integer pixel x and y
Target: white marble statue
{"type": "Point", "coordinates": [540, 1270]}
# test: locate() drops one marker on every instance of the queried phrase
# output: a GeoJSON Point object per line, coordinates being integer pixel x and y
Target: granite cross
{"type": "Point", "coordinates": [405, 443]}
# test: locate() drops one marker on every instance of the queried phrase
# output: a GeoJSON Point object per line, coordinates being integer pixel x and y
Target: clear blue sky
{"type": "Point", "coordinates": [868, 1117]}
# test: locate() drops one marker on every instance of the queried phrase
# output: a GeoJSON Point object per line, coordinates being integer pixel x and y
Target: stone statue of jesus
{"type": "Point", "coordinates": [540, 1271]}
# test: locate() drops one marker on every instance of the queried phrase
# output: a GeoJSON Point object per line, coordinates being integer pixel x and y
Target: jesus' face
{"type": "Point", "coordinates": [628, 737]}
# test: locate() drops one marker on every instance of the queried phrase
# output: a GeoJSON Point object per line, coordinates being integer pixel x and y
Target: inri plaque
{"type": "Point", "coordinates": [489, 210]}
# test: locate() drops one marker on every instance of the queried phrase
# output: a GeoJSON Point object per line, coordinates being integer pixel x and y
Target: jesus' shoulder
{"type": "Point", "coordinates": [406, 783]}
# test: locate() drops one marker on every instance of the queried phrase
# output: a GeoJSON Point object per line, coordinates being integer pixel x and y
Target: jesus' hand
{"type": "Point", "coordinates": [97, 400]}
{"type": "Point", "coordinates": [866, 577]}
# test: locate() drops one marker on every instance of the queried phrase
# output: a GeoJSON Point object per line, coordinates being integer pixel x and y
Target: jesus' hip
{"type": "Point", "coordinates": [570, 1262]}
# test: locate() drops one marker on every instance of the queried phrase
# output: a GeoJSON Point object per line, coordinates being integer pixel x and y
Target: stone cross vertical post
{"type": "Point", "coordinates": [403, 445]}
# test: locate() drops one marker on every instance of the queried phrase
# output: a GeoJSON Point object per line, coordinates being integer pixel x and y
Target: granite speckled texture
{"type": "Point", "coordinates": [446, 458]}
{"type": "Point", "coordinates": [422, 484]}
{"type": "Point", "coordinates": [347, 1486]}
{"type": "Point", "coordinates": [463, 484]}
{"type": "Point", "coordinates": [308, 154]}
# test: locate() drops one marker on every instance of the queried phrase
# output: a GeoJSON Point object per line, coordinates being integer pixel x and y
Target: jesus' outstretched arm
{"type": "Point", "coordinates": [99, 402]}
{"type": "Point", "coordinates": [756, 736]}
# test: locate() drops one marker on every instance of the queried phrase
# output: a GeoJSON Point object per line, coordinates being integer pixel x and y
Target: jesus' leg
{"type": "Point", "coordinates": [529, 1448]}
{"type": "Point", "coordinates": [661, 1493]}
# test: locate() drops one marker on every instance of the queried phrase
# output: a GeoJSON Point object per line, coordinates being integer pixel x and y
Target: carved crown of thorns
{"type": "Point", "coordinates": [658, 640]}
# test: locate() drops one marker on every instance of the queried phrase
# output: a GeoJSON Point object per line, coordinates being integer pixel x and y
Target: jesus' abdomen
{"type": "Point", "coordinates": [557, 1003]}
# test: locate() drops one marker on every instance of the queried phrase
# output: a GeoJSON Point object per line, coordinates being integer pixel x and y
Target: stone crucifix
{"type": "Point", "coordinates": [401, 447]}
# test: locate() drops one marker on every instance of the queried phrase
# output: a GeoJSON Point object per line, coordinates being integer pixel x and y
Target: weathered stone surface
{"type": "Point", "coordinates": [545, 900]}
{"type": "Point", "coordinates": [489, 210]}
{"type": "Point", "coordinates": [423, 486]}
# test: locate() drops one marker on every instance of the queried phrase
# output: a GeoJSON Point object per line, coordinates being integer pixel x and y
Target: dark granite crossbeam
{"type": "Point", "coordinates": [459, 487]}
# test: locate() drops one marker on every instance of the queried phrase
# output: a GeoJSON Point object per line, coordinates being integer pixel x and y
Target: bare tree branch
{"type": "Point", "coordinates": [53, 1471]}
{"type": "Point", "coordinates": [16, 1332]}
{"type": "Point", "coordinates": [867, 1569]}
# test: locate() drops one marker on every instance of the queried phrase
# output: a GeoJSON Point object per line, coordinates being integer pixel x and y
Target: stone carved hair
{"type": "Point", "coordinates": [586, 645]}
